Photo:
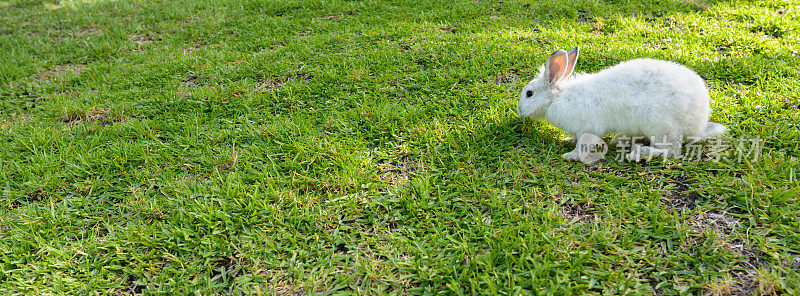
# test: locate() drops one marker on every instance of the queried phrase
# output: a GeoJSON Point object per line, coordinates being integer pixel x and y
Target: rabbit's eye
{"type": "Point", "coordinates": [529, 93]}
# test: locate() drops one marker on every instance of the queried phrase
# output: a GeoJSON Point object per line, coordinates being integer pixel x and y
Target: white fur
{"type": "Point", "coordinates": [642, 97]}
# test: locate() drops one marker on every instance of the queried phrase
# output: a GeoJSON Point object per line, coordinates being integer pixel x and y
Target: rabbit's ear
{"type": "Point", "coordinates": [572, 59]}
{"type": "Point", "coordinates": [556, 66]}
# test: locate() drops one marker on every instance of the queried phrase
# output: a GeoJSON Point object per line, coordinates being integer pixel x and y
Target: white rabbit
{"type": "Point", "coordinates": [658, 100]}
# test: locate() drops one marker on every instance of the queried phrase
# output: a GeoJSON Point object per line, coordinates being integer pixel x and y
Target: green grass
{"type": "Point", "coordinates": [371, 147]}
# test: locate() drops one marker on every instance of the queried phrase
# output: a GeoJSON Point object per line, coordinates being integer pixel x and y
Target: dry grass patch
{"type": "Point", "coordinates": [379, 269]}
{"type": "Point", "coordinates": [752, 275]}
{"type": "Point", "coordinates": [143, 39]}
{"type": "Point", "coordinates": [720, 223]}
{"type": "Point", "coordinates": [398, 171]}
{"type": "Point", "coordinates": [578, 212]}
{"type": "Point", "coordinates": [83, 32]}
{"type": "Point", "coordinates": [18, 119]}
{"type": "Point", "coordinates": [681, 198]}
{"type": "Point", "coordinates": [195, 46]}
{"type": "Point", "coordinates": [278, 282]}
{"type": "Point", "coordinates": [745, 283]}
{"type": "Point", "coordinates": [100, 117]}
{"type": "Point", "coordinates": [60, 71]}
{"type": "Point", "coordinates": [274, 83]}
{"type": "Point", "coordinates": [506, 78]}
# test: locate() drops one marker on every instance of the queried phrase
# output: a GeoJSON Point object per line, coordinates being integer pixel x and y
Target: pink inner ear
{"type": "Point", "coordinates": [572, 58]}
{"type": "Point", "coordinates": [556, 66]}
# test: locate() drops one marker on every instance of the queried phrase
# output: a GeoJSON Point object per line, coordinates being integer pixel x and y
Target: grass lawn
{"type": "Point", "coordinates": [372, 147]}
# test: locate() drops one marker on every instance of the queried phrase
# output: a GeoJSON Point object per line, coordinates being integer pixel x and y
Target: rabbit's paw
{"type": "Point", "coordinates": [572, 155]}
{"type": "Point", "coordinates": [592, 158]}
{"type": "Point", "coordinates": [588, 158]}
{"type": "Point", "coordinates": [639, 153]}
{"type": "Point", "coordinates": [633, 156]}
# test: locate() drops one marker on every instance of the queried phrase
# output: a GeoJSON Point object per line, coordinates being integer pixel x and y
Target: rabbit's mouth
{"type": "Point", "coordinates": [532, 110]}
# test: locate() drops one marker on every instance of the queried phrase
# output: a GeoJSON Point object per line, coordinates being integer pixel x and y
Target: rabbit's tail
{"type": "Point", "coordinates": [714, 129]}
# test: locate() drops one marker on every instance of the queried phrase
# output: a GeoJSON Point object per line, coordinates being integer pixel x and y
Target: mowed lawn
{"type": "Point", "coordinates": [371, 147]}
